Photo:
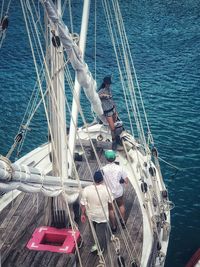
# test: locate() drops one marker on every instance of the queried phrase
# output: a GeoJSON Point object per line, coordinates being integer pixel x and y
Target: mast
{"type": "Point", "coordinates": [77, 87]}
{"type": "Point", "coordinates": [57, 212]}
{"type": "Point", "coordinates": [83, 75]}
{"type": "Point", "coordinates": [58, 110]}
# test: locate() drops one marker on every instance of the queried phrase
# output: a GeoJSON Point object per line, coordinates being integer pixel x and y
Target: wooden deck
{"type": "Point", "coordinates": [20, 218]}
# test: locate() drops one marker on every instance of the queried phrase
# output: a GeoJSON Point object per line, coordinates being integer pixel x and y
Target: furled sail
{"type": "Point", "coordinates": [84, 76]}
{"type": "Point", "coordinates": [29, 179]}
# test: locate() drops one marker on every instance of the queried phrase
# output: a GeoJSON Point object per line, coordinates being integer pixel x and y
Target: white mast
{"type": "Point", "coordinates": [83, 75]}
{"type": "Point", "coordinates": [77, 87]}
{"type": "Point", "coordinates": [58, 111]}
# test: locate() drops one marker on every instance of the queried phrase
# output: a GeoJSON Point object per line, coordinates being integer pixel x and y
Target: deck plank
{"type": "Point", "coordinates": [13, 207]}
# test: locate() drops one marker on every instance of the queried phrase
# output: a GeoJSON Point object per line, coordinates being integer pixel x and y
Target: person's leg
{"type": "Point", "coordinates": [112, 217]}
{"type": "Point", "coordinates": [94, 226]}
{"type": "Point", "coordinates": [101, 230]}
{"type": "Point", "coordinates": [112, 128]}
{"type": "Point", "coordinates": [111, 123]}
{"type": "Point", "coordinates": [120, 203]}
{"type": "Point", "coordinates": [115, 115]}
{"type": "Point", "coordinates": [116, 132]}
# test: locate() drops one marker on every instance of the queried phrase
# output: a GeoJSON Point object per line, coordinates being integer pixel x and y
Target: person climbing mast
{"type": "Point", "coordinates": [108, 107]}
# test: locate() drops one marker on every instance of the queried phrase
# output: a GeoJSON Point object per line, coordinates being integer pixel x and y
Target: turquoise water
{"type": "Point", "coordinates": [165, 41]}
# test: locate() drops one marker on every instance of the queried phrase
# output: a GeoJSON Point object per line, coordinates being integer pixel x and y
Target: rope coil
{"type": "Point", "coordinates": [8, 167]}
{"type": "Point", "coordinates": [116, 243]}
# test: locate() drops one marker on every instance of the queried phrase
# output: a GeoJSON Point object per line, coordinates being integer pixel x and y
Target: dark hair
{"type": "Point", "coordinates": [107, 80]}
{"type": "Point", "coordinates": [102, 86]}
{"type": "Point", "coordinates": [98, 177]}
{"type": "Point", "coordinates": [110, 160]}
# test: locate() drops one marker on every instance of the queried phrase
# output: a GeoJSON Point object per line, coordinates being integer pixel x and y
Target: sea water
{"type": "Point", "coordinates": [164, 38]}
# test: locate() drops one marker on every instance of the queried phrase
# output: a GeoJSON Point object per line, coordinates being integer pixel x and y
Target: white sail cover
{"type": "Point", "coordinates": [84, 76]}
{"type": "Point", "coordinates": [28, 179]}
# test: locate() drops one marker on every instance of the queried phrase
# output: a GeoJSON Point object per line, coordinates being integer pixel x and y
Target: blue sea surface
{"type": "Point", "coordinates": [164, 39]}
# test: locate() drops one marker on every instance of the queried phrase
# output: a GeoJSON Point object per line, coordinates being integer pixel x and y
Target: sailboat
{"type": "Point", "coordinates": [41, 191]}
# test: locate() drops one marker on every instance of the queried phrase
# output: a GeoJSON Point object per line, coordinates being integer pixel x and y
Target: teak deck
{"type": "Point", "coordinates": [20, 218]}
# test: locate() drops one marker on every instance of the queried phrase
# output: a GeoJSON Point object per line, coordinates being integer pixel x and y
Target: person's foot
{"type": "Point", "coordinates": [93, 248]}
{"type": "Point", "coordinates": [123, 224]}
{"type": "Point", "coordinates": [100, 253]}
{"type": "Point", "coordinates": [114, 229]}
{"type": "Point", "coordinates": [114, 145]}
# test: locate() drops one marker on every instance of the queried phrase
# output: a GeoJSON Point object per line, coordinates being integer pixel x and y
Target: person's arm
{"type": "Point", "coordinates": [83, 213]}
{"type": "Point", "coordinates": [124, 176]}
{"type": "Point", "coordinates": [110, 206]}
{"type": "Point", "coordinates": [102, 94]}
{"type": "Point", "coordinates": [126, 180]}
{"type": "Point", "coordinates": [83, 203]}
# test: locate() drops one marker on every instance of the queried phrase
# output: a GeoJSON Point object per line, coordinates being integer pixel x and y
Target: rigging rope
{"type": "Point", "coordinates": [127, 66]}
{"type": "Point", "coordinates": [70, 15]}
{"type": "Point", "coordinates": [36, 67]}
{"type": "Point", "coordinates": [137, 83]}
{"type": "Point", "coordinates": [137, 111]}
{"type": "Point", "coordinates": [118, 62]}
{"type": "Point", "coordinates": [110, 22]}
{"type": "Point", "coordinates": [74, 227]}
{"type": "Point", "coordinates": [145, 200]}
{"type": "Point", "coordinates": [2, 8]}
{"type": "Point", "coordinates": [128, 54]}
{"type": "Point", "coordinates": [66, 73]}
{"type": "Point", "coordinates": [3, 22]}
{"type": "Point", "coordinates": [39, 103]}
{"type": "Point", "coordinates": [99, 163]}
{"type": "Point", "coordinates": [27, 21]}
{"type": "Point", "coordinates": [35, 64]}
{"type": "Point", "coordinates": [178, 168]}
